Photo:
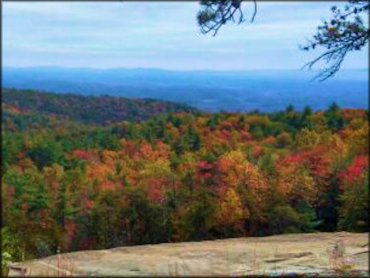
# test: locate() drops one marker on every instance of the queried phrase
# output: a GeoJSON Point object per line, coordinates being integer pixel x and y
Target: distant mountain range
{"type": "Point", "coordinates": [265, 90]}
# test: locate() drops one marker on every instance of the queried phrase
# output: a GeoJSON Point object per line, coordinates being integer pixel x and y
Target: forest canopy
{"type": "Point", "coordinates": [177, 176]}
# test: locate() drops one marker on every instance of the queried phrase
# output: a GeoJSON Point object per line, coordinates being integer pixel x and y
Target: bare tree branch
{"type": "Point", "coordinates": [344, 33]}
{"type": "Point", "coordinates": [214, 14]}
{"type": "Point", "coordinates": [255, 11]}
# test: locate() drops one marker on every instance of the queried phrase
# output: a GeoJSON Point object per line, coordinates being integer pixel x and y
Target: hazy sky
{"type": "Point", "coordinates": [159, 35]}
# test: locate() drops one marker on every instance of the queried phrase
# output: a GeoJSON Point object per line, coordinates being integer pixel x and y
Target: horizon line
{"type": "Point", "coordinates": [166, 69]}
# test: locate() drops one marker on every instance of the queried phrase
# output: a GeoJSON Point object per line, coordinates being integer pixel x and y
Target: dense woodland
{"type": "Point", "coordinates": [70, 182]}
{"type": "Point", "coordinates": [88, 109]}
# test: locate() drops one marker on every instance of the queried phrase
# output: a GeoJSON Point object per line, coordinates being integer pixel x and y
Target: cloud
{"type": "Point", "coordinates": [157, 34]}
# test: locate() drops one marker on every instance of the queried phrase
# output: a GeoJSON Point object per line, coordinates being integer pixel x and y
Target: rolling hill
{"type": "Point", "coordinates": [90, 109]}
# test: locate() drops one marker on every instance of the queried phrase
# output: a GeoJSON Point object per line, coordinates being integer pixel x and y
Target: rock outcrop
{"type": "Point", "coordinates": [325, 254]}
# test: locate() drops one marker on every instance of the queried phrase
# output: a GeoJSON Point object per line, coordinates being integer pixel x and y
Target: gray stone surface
{"type": "Point", "coordinates": [310, 254]}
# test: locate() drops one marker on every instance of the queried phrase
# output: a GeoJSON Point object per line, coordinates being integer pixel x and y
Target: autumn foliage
{"type": "Point", "coordinates": [181, 176]}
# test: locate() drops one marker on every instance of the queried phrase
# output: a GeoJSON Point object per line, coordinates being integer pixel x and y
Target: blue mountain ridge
{"type": "Point", "coordinates": [265, 90]}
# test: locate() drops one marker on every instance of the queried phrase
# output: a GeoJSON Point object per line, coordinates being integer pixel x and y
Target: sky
{"type": "Point", "coordinates": [160, 35]}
